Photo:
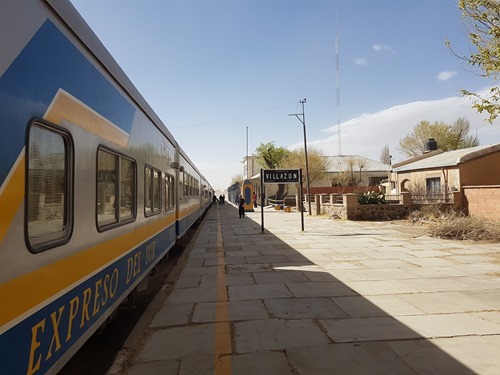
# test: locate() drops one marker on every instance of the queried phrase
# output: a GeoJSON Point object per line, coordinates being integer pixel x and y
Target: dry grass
{"type": "Point", "coordinates": [455, 226]}
{"type": "Point", "coordinates": [467, 228]}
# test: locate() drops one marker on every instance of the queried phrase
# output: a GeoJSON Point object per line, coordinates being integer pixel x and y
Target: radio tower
{"type": "Point", "coordinates": [337, 47]}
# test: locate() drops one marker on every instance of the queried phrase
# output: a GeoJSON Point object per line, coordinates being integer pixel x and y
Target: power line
{"type": "Point", "coordinates": [272, 109]}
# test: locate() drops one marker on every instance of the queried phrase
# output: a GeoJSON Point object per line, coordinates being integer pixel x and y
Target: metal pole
{"type": "Point", "coordinates": [247, 156]}
{"type": "Point", "coordinates": [262, 199]}
{"type": "Point", "coordinates": [305, 151]}
{"type": "Point", "coordinates": [301, 203]}
{"type": "Point", "coordinates": [303, 121]}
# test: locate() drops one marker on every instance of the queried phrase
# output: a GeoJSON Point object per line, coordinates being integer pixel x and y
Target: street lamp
{"type": "Point", "coordinates": [303, 121]}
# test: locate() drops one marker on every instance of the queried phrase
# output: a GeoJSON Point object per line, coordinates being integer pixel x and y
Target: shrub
{"type": "Point", "coordinates": [371, 197]}
{"type": "Point", "coordinates": [467, 228]}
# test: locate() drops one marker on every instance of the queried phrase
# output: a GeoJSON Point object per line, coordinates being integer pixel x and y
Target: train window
{"type": "Point", "coordinates": [152, 195]}
{"type": "Point", "coordinates": [169, 192]}
{"type": "Point", "coordinates": [48, 208]}
{"type": "Point", "coordinates": [115, 189]}
{"type": "Point", "coordinates": [184, 184]}
{"type": "Point", "coordinates": [127, 188]}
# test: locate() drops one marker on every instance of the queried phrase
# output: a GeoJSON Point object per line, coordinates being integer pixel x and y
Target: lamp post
{"type": "Point", "coordinates": [303, 121]}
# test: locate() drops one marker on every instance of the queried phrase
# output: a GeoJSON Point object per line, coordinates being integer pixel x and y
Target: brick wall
{"type": "Point", "coordinates": [352, 210]}
{"type": "Point", "coordinates": [483, 201]}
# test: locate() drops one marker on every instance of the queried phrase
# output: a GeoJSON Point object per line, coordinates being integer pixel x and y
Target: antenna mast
{"type": "Point", "coordinates": [337, 47]}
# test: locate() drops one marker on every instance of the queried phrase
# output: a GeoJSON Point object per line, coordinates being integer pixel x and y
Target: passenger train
{"type": "Point", "coordinates": [94, 189]}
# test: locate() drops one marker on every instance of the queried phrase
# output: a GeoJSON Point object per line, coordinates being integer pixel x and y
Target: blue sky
{"type": "Point", "coordinates": [210, 69]}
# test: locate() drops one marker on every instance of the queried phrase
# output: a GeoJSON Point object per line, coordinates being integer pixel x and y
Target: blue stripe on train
{"type": "Point", "coordinates": [35, 344]}
{"type": "Point", "coordinates": [181, 226]}
{"type": "Point", "coordinates": [49, 62]}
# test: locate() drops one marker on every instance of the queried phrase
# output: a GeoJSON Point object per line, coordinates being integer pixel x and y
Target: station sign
{"type": "Point", "coordinates": [281, 176]}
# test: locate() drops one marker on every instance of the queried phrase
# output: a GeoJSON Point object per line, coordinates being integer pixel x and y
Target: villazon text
{"type": "Point", "coordinates": [68, 318]}
{"type": "Point", "coordinates": [278, 176]}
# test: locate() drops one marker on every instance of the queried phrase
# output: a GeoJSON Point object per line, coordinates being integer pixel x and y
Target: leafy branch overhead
{"type": "Point", "coordinates": [482, 20]}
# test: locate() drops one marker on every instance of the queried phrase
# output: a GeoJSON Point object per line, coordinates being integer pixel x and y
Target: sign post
{"type": "Point", "coordinates": [262, 200]}
{"type": "Point", "coordinates": [301, 202]}
{"type": "Point", "coordinates": [281, 176]}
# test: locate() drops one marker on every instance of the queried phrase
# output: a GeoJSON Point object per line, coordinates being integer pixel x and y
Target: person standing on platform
{"type": "Point", "coordinates": [254, 199]}
{"type": "Point", "coordinates": [241, 207]}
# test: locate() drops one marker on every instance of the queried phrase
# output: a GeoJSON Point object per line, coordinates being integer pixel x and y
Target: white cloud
{"type": "Point", "coordinates": [367, 134]}
{"type": "Point", "coordinates": [382, 48]}
{"type": "Point", "coordinates": [446, 75]}
{"type": "Point", "coordinates": [360, 61]}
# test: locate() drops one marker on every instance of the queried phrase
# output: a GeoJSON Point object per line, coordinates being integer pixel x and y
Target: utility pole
{"type": "Point", "coordinates": [247, 177]}
{"type": "Point", "coordinates": [337, 49]}
{"type": "Point", "coordinates": [302, 119]}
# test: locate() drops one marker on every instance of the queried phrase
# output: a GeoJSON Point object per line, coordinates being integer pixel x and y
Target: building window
{"type": "Point", "coordinates": [115, 189]}
{"type": "Point", "coordinates": [48, 209]}
{"type": "Point", "coordinates": [433, 185]}
{"type": "Point", "coordinates": [375, 181]}
{"type": "Point", "coordinates": [152, 192]}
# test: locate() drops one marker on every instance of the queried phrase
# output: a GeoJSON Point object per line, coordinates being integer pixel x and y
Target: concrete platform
{"type": "Point", "coordinates": [339, 298]}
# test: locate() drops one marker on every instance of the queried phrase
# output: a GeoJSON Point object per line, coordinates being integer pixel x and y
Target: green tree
{"type": "Point", "coordinates": [272, 157]}
{"type": "Point", "coordinates": [448, 137]}
{"type": "Point", "coordinates": [482, 20]}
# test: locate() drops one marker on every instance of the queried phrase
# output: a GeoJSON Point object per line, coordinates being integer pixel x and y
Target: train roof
{"type": "Point", "coordinates": [75, 22]}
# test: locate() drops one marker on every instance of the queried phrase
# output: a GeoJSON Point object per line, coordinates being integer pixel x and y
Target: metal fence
{"type": "Point", "coordinates": [432, 198]}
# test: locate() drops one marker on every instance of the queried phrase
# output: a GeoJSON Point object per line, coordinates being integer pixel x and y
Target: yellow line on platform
{"type": "Point", "coordinates": [223, 350]}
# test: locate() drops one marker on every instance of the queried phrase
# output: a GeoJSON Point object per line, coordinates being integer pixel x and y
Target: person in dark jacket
{"type": "Point", "coordinates": [241, 207]}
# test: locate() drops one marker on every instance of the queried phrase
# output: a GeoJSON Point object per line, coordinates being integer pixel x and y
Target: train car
{"type": "Point", "coordinates": [94, 189]}
{"type": "Point", "coordinates": [191, 199]}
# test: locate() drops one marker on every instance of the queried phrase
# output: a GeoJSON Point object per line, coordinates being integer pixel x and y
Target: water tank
{"type": "Point", "coordinates": [430, 145]}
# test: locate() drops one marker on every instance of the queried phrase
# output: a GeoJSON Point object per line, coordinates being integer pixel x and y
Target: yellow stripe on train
{"type": "Point", "coordinates": [12, 194]}
{"type": "Point", "coordinates": [181, 214]}
{"type": "Point", "coordinates": [65, 107]}
{"type": "Point", "coordinates": [50, 280]}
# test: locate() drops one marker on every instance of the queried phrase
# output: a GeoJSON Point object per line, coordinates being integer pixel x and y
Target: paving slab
{"type": "Point", "coordinates": [277, 334]}
{"type": "Point", "coordinates": [357, 359]}
{"type": "Point", "coordinates": [304, 308]}
{"type": "Point", "coordinates": [450, 325]}
{"type": "Point", "coordinates": [237, 311]}
{"type": "Point", "coordinates": [376, 306]}
{"type": "Point", "coordinates": [368, 329]}
{"type": "Point", "coordinates": [438, 284]}
{"type": "Point", "coordinates": [258, 291]}
{"type": "Point", "coordinates": [178, 342]}
{"type": "Point", "coordinates": [260, 362]}
{"type": "Point", "coordinates": [433, 356]}
{"type": "Point", "coordinates": [173, 314]}
{"type": "Point", "coordinates": [320, 289]}
{"type": "Point", "coordinates": [445, 302]}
